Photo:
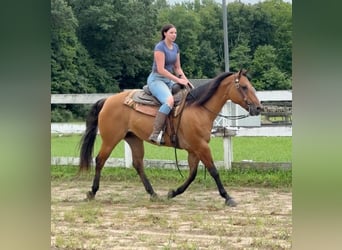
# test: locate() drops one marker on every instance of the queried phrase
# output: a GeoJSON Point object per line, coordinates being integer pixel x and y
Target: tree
{"type": "Point", "coordinates": [240, 57]}
{"type": "Point", "coordinates": [72, 70]}
{"type": "Point", "coordinates": [266, 74]}
{"type": "Point", "coordinates": [280, 14]}
{"type": "Point", "coordinates": [240, 18]}
{"type": "Point", "coordinates": [211, 56]}
{"type": "Point", "coordinates": [117, 36]}
{"type": "Point", "coordinates": [63, 47]}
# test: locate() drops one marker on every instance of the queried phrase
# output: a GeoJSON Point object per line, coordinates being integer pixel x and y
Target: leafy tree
{"type": "Point", "coordinates": [63, 41]}
{"type": "Point", "coordinates": [274, 79]}
{"type": "Point", "coordinates": [266, 74]}
{"type": "Point", "coordinates": [211, 56]}
{"type": "Point", "coordinates": [72, 70]}
{"type": "Point", "coordinates": [240, 57]}
{"type": "Point", "coordinates": [117, 36]}
{"type": "Point", "coordinates": [240, 18]}
{"type": "Point", "coordinates": [161, 4]}
{"type": "Point", "coordinates": [280, 14]}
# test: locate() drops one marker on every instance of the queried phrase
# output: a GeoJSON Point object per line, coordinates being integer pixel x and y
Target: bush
{"type": "Point", "coordinates": [61, 115]}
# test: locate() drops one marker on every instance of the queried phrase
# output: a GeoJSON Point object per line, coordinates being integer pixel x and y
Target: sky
{"type": "Point", "coordinates": [227, 1]}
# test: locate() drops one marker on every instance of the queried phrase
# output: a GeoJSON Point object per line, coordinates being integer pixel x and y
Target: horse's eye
{"type": "Point", "coordinates": [244, 88]}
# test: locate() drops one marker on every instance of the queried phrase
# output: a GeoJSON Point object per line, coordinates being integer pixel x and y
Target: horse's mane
{"type": "Point", "coordinates": [202, 93]}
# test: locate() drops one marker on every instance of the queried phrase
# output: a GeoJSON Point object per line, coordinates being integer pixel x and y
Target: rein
{"type": "Point", "coordinates": [230, 117]}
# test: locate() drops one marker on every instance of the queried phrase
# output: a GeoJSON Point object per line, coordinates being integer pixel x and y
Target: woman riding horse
{"type": "Point", "coordinates": [116, 121]}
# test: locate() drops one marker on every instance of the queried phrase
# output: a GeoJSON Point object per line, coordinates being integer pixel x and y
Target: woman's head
{"type": "Point", "coordinates": [166, 28]}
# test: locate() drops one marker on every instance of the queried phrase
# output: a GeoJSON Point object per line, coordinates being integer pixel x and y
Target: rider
{"type": "Point", "coordinates": [166, 71]}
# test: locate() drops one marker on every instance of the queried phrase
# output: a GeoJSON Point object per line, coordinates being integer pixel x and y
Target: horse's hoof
{"type": "Point", "coordinates": [155, 197]}
{"type": "Point", "coordinates": [230, 202]}
{"type": "Point", "coordinates": [90, 195]}
{"type": "Point", "coordinates": [171, 194]}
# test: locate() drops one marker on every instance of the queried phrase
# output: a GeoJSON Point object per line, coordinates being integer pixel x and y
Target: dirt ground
{"type": "Point", "coordinates": [123, 217]}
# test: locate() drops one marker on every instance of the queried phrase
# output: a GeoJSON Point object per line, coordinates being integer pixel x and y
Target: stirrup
{"type": "Point", "coordinates": [159, 139]}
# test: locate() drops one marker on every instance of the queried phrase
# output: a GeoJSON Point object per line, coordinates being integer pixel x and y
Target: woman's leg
{"type": "Point", "coordinates": [161, 91]}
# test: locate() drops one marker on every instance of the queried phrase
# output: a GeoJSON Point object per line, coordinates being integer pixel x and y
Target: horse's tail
{"type": "Point", "coordinates": [89, 136]}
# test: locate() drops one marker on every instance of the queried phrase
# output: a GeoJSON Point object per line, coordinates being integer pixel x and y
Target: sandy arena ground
{"type": "Point", "coordinates": [123, 217]}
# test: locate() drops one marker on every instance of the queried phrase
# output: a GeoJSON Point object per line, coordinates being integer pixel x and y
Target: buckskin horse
{"type": "Point", "coordinates": [118, 121]}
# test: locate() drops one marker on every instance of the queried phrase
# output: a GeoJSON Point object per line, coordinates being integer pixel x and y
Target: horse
{"type": "Point", "coordinates": [116, 121]}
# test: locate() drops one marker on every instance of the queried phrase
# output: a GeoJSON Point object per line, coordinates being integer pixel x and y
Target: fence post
{"type": "Point", "coordinates": [228, 133]}
{"type": "Point", "coordinates": [128, 155]}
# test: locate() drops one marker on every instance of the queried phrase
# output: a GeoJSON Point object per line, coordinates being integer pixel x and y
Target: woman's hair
{"type": "Point", "coordinates": [165, 29]}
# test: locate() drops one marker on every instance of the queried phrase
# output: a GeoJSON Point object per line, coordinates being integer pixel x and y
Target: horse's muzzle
{"type": "Point", "coordinates": [255, 110]}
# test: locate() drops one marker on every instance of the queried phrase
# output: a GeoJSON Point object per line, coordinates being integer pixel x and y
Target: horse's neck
{"type": "Point", "coordinates": [217, 101]}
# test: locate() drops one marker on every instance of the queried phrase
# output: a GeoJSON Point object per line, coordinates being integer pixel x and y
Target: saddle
{"type": "Point", "coordinates": [144, 102]}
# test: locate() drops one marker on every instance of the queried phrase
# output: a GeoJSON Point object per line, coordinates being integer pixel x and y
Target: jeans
{"type": "Point", "coordinates": [160, 88]}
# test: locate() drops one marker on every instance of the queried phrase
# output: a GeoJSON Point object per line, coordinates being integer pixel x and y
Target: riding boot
{"type": "Point", "coordinates": [157, 134]}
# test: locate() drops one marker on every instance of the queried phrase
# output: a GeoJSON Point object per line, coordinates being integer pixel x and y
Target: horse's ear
{"type": "Point", "coordinates": [240, 73]}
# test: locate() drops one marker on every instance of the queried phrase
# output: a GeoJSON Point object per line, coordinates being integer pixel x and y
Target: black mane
{"type": "Point", "coordinates": [201, 94]}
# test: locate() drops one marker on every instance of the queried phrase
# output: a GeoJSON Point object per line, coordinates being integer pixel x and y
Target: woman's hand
{"type": "Point", "coordinates": [185, 82]}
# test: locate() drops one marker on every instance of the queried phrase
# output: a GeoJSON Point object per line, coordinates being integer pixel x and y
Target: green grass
{"type": "Point", "coordinates": [274, 178]}
{"type": "Point", "coordinates": [258, 149]}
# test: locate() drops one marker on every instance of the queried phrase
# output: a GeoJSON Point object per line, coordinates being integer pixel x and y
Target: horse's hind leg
{"type": "Point", "coordinates": [137, 148]}
{"type": "Point", "coordinates": [193, 164]}
{"type": "Point", "coordinates": [100, 161]}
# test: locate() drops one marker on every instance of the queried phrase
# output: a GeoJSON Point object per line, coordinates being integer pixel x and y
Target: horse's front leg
{"type": "Point", "coordinates": [207, 160]}
{"type": "Point", "coordinates": [193, 164]}
{"type": "Point", "coordinates": [214, 173]}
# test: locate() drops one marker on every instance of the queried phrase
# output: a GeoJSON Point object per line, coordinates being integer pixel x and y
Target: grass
{"type": "Point", "coordinates": [273, 178]}
{"type": "Point", "coordinates": [258, 149]}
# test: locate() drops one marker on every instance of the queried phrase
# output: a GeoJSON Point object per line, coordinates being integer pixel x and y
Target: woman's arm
{"type": "Point", "coordinates": [179, 71]}
{"type": "Point", "coordinates": [159, 58]}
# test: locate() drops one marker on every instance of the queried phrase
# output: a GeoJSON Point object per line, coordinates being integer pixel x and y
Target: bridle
{"type": "Point", "coordinates": [244, 96]}
{"type": "Point", "coordinates": [237, 85]}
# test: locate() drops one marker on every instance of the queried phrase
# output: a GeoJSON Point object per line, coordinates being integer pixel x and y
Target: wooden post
{"type": "Point", "coordinates": [128, 156]}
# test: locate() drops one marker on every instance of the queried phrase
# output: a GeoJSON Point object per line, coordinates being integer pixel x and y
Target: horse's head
{"type": "Point", "coordinates": [244, 93]}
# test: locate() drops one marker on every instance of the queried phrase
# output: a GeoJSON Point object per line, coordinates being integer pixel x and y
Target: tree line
{"type": "Point", "coordinates": [107, 46]}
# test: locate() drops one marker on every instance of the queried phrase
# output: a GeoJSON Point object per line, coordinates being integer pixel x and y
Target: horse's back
{"type": "Point", "coordinates": [114, 114]}
{"type": "Point", "coordinates": [117, 119]}
{"type": "Point", "coordinates": [115, 103]}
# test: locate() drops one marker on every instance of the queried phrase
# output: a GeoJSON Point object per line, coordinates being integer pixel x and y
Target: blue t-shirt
{"type": "Point", "coordinates": [170, 55]}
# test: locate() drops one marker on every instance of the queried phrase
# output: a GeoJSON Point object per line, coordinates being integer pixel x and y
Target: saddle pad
{"type": "Point", "coordinates": [147, 104]}
{"type": "Point", "coordinates": [140, 96]}
{"type": "Point", "coordinates": [146, 109]}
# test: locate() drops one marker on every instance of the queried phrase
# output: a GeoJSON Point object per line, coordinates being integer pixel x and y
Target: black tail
{"type": "Point", "coordinates": [89, 136]}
